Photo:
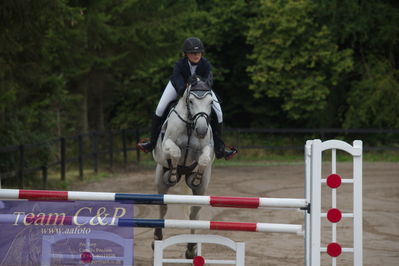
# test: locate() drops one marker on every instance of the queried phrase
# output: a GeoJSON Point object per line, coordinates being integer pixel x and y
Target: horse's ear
{"type": "Point", "coordinates": [203, 84]}
{"type": "Point", "coordinates": [206, 85]}
{"type": "Point", "coordinates": [209, 81]}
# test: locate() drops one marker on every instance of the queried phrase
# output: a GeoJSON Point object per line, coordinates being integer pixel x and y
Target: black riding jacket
{"type": "Point", "coordinates": [181, 73]}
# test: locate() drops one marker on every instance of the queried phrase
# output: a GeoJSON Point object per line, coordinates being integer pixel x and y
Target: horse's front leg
{"type": "Point", "coordinates": [204, 160]}
{"type": "Point", "coordinates": [191, 251]}
{"type": "Point", "coordinates": [172, 151]}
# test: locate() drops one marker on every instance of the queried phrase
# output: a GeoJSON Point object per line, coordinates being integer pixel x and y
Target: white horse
{"type": "Point", "coordinates": [185, 147]}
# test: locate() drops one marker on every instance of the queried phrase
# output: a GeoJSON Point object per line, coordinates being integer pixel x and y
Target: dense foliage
{"type": "Point", "coordinates": [73, 66]}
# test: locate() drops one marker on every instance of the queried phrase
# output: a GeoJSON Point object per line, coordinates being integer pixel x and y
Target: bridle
{"type": "Point", "coordinates": [199, 94]}
{"type": "Point", "coordinates": [192, 119]}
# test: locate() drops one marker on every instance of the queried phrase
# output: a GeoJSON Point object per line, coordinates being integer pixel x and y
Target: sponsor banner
{"type": "Point", "coordinates": [65, 233]}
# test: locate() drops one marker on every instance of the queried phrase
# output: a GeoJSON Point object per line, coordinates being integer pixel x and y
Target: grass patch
{"type": "Point", "coordinates": [381, 156]}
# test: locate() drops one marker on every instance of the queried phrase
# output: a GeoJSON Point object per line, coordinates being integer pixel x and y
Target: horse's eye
{"type": "Point", "coordinates": [191, 101]}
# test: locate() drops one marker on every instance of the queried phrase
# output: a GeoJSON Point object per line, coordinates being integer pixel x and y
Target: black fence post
{"type": "Point", "coordinates": [124, 143]}
{"type": "Point", "coordinates": [21, 166]}
{"type": "Point", "coordinates": [62, 158]}
{"type": "Point", "coordinates": [322, 134]}
{"type": "Point", "coordinates": [45, 175]}
{"type": "Point", "coordinates": [238, 141]}
{"type": "Point", "coordinates": [95, 151]}
{"type": "Point", "coordinates": [137, 141]}
{"type": "Point", "coordinates": [80, 156]}
{"type": "Point", "coordinates": [111, 149]}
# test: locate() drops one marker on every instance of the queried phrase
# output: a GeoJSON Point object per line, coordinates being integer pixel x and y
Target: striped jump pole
{"type": "Point", "coordinates": [151, 223]}
{"type": "Point", "coordinates": [154, 199]}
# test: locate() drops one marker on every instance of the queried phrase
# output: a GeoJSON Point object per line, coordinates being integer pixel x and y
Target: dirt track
{"type": "Point", "coordinates": [380, 207]}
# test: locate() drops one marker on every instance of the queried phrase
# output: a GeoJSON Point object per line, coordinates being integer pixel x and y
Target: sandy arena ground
{"type": "Point", "coordinates": [380, 209]}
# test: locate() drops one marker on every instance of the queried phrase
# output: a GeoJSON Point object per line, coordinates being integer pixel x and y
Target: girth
{"type": "Point", "coordinates": [182, 169]}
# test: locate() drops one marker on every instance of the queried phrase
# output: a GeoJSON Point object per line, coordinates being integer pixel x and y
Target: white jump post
{"type": "Point", "coordinates": [314, 182]}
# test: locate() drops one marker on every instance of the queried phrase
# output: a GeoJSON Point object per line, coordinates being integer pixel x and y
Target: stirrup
{"type": "Point", "coordinates": [230, 154]}
{"type": "Point", "coordinates": [144, 145]}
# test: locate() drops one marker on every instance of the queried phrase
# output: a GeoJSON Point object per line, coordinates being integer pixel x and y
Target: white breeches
{"type": "Point", "coordinates": [169, 94]}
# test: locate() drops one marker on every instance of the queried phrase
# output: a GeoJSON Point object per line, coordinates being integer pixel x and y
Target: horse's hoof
{"type": "Point", "coordinates": [194, 180]}
{"type": "Point", "coordinates": [172, 179]}
{"type": "Point", "coordinates": [158, 235]}
{"type": "Point", "coordinates": [169, 178]}
{"type": "Point", "coordinates": [191, 251]}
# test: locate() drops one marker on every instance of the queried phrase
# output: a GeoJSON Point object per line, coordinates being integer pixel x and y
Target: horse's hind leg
{"type": "Point", "coordinates": [158, 235]}
{"type": "Point", "coordinates": [191, 251]}
{"type": "Point", "coordinates": [162, 188]}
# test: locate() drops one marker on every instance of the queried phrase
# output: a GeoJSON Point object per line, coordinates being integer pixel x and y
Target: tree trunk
{"type": "Point", "coordinates": [58, 122]}
{"type": "Point", "coordinates": [85, 117]}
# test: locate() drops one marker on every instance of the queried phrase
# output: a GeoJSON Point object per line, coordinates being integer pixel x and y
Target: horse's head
{"type": "Point", "coordinates": [199, 105]}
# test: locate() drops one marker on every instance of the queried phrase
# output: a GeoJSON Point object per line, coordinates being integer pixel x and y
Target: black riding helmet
{"type": "Point", "coordinates": [193, 45]}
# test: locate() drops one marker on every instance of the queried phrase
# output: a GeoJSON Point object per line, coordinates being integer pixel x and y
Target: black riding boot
{"type": "Point", "coordinates": [156, 126]}
{"type": "Point", "coordinates": [220, 150]}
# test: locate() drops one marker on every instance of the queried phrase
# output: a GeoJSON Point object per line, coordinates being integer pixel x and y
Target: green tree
{"type": "Point", "coordinates": [25, 76]}
{"type": "Point", "coordinates": [373, 102]}
{"type": "Point", "coordinates": [30, 90]}
{"type": "Point", "coordinates": [295, 62]}
{"type": "Point", "coordinates": [370, 29]}
{"type": "Point", "coordinates": [68, 66]}
{"type": "Point", "coordinates": [223, 26]}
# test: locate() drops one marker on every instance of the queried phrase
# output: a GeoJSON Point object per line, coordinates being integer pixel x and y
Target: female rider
{"type": "Point", "coordinates": [185, 73]}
